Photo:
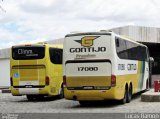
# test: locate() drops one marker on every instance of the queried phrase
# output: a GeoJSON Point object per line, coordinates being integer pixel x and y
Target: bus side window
{"type": "Point", "coordinates": [55, 55]}
{"type": "Point", "coordinates": [121, 48]}
{"type": "Point", "coordinates": [117, 42]}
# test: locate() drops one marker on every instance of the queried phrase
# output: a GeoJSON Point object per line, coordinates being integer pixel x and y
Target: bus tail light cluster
{"type": "Point", "coordinates": [113, 80]}
{"type": "Point", "coordinates": [64, 81]}
{"type": "Point", "coordinates": [11, 80]}
{"type": "Point", "coordinates": [47, 80]}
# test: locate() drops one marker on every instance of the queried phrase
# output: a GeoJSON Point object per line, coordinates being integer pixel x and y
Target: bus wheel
{"type": "Point", "coordinates": [129, 94]}
{"type": "Point", "coordinates": [61, 95]}
{"type": "Point", "coordinates": [30, 97]}
{"type": "Point", "coordinates": [147, 85]}
{"type": "Point", "coordinates": [124, 100]}
{"type": "Point", "coordinates": [39, 97]}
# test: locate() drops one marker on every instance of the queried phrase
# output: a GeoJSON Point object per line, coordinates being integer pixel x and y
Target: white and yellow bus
{"type": "Point", "coordinates": [36, 70]}
{"type": "Point", "coordinates": [103, 66]}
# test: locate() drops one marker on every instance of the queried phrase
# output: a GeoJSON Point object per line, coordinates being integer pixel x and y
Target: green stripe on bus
{"type": "Point", "coordinates": [142, 69]}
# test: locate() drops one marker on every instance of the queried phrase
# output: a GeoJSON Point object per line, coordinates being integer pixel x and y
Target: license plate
{"type": "Point", "coordinates": [28, 86]}
{"type": "Point", "coordinates": [88, 87]}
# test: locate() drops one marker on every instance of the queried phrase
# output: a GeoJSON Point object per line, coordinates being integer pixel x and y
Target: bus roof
{"type": "Point", "coordinates": [40, 44]}
{"type": "Point", "coordinates": [104, 33]}
{"type": "Point", "coordinates": [88, 33]}
{"type": "Point", "coordinates": [55, 45]}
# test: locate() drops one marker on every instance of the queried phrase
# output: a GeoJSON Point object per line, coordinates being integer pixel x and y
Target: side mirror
{"type": "Point", "coordinates": [151, 59]}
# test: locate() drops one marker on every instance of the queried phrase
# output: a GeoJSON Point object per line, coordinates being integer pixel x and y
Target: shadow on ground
{"type": "Point", "coordinates": [107, 103]}
{"type": "Point", "coordinates": [45, 99]}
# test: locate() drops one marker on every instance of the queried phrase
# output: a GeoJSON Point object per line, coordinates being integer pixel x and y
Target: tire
{"type": "Point", "coordinates": [30, 97]}
{"type": "Point", "coordinates": [124, 100]}
{"type": "Point", "coordinates": [39, 97]}
{"type": "Point", "coordinates": [147, 85]}
{"type": "Point", "coordinates": [129, 94]}
{"type": "Point", "coordinates": [84, 103]}
{"type": "Point", "coordinates": [61, 95]}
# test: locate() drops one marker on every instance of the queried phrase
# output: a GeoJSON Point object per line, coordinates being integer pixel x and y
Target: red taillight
{"type": "Point", "coordinates": [113, 80]}
{"type": "Point", "coordinates": [47, 80]}
{"type": "Point", "coordinates": [11, 81]}
{"type": "Point", "coordinates": [64, 81]}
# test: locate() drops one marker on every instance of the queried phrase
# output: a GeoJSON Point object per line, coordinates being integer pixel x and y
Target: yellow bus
{"type": "Point", "coordinates": [36, 70]}
{"type": "Point", "coordinates": [103, 66]}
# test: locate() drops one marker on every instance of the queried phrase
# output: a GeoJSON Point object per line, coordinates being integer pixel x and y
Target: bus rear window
{"type": "Point", "coordinates": [28, 52]}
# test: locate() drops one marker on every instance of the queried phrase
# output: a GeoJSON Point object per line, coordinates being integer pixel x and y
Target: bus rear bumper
{"type": "Point", "coordinates": [92, 94]}
{"type": "Point", "coordinates": [29, 91]}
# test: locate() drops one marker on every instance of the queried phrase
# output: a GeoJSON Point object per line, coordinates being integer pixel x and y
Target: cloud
{"type": "Point", "coordinates": [31, 20]}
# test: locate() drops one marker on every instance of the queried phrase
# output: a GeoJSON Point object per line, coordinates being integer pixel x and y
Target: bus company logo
{"type": "Point", "coordinates": [23, 51]}
{"type": "Point", "coordinates": [87, 41]}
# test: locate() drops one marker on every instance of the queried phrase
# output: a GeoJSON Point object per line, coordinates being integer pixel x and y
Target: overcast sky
{"type": "Point", "coordinates": [26, 21]}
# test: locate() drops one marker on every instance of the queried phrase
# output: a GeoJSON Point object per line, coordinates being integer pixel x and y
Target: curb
{"type": "Point", "coordinates": [150, 96]}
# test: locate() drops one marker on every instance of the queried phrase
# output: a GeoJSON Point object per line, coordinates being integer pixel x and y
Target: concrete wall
{"type": "Point", "coordinates": [5, 67]}
{"type": "Point", "coordinates": [4, 72]}
{"type": "Point", "coordinates": [5, 53]}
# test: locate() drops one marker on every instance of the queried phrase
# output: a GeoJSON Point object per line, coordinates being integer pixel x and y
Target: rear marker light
{"type": "Point", "coordinates": [113, 80]}
{"type": "Point", "coordinates": [47, 80]}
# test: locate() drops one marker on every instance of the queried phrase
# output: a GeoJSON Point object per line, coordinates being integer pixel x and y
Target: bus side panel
{"type": "Point", "coordinates": [137, 78]}
{"type": "Point", "coordinates": [56, 79]}
{"type": "Point", "coordinates": [127, 72]}
{"type": "Point", "coordinates": [121, 81]}
{"type": "Point", "coordinates": [54, 72]}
